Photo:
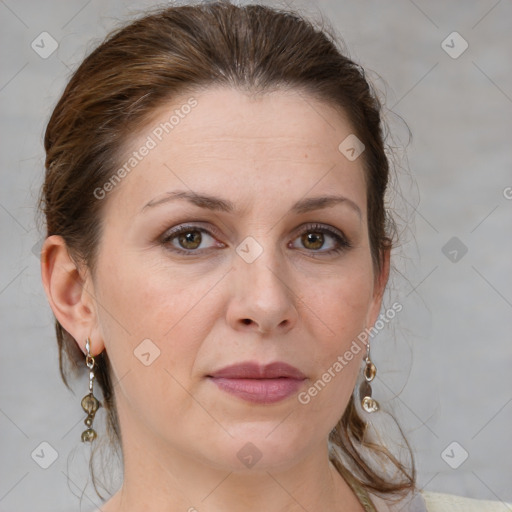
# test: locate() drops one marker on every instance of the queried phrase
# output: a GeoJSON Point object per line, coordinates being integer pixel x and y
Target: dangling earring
{"type": "Point", "coordinates": [89, 402]}
{"type": "Point", "coordinates": [368, 403]}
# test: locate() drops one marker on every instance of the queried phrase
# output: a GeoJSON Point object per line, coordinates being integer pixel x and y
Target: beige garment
{"type": "Point", "coordinates": [439, 502]}
{"type": "Point", "coordinates": [436, 502]}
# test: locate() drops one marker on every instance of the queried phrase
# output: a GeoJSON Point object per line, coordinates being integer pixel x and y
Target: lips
{"type": "Point", "coordinates": [259, 384]}
{"type": "Point", "coordinates": [251, 370]}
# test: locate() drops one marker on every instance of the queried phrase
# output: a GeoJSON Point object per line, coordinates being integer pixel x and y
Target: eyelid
{"type": "Point", "coordinates": [190, 226]}
{"type": "Point", "coordinates": [312, 226]}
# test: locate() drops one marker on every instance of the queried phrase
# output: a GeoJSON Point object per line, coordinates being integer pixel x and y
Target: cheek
{"type": "Point", "coordinates": [148, 299]}
{"type": "Point", "coordinates": [342, 306]}
{"type": "Point", "coordinates": [342, 309]}
{"type": "Point", "coordinates": [149, 308]}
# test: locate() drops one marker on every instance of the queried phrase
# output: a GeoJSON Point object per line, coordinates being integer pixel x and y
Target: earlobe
{"type": "Point", "coordinates": [69, 293]}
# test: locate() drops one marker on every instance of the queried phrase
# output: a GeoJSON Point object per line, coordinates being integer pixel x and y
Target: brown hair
{"type": "Point", "coordinates": [164, 54]}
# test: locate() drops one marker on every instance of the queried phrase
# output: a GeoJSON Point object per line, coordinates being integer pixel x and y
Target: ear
{"type": "Point", "coordinates": [380, 281]}
{"type": "Point", "coordinates": [70, 293]}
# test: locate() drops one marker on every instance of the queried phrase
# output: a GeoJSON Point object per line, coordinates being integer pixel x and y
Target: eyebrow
{"type": "Point", "coordinates": [217, 204]}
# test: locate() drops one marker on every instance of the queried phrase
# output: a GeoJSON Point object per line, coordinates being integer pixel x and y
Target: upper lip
{"type": "Point", "coordinates": [252, 370]}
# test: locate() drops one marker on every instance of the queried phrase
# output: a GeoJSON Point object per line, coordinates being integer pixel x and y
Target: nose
{"type": "Point", "coordinates": [263, 298]}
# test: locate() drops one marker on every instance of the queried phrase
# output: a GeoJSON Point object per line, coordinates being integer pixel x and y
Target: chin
{"type": "Point", "coordinates": [263, 446]}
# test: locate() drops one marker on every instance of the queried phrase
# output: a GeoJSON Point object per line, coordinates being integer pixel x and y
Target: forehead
{"type": "Point", "coordinates": [224, 112]}
{"type": "Point", "coordinates": [280, 143]}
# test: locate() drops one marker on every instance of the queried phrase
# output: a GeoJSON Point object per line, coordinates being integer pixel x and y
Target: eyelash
{"type": "Point", "coordinates": [342, 243]}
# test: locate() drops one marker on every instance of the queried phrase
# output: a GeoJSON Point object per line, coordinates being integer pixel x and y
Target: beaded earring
{"type": "Point", "coordinates": [90, 403]}
{"type": "Point", "coordinates": [368, 403]}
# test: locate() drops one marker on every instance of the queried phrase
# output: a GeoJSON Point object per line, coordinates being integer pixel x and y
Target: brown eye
{"type": "Point", "coordinates": [320, 240]}
{"type": "Point", "coordinates": [187, 239]}
{"type": "Point", "coordinates": [190, 239]}
{"type": "Point", "coordinates": [312, 240]}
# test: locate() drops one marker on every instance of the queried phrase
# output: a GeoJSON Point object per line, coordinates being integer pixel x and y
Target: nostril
{"type": "Point", "coordinates": [246, 321]}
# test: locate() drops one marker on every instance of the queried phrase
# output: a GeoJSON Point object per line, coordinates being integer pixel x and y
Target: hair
{"type": "Point", "coordinates": [164, 54]}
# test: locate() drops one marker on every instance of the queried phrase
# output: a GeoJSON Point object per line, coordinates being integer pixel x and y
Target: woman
{"type": "Point", "coordinates": [216, 256]}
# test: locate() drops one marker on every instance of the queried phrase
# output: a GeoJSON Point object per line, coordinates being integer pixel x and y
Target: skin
{"type": "Point", "coordinates": [294, 303]}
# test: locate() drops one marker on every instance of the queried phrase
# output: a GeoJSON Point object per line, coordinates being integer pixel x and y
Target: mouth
{"type": "Point", "coordinates": [255, 383]}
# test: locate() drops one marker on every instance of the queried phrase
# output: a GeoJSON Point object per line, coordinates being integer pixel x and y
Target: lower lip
{"type": "Point", "coordinates": [261, 391]}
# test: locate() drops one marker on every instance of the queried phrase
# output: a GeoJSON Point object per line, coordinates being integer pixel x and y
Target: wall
{"type": "Point", "coordinates": [444, 364]}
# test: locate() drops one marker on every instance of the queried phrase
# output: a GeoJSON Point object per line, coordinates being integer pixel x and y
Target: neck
{"type": "Point", "coordinates": [160, 478]}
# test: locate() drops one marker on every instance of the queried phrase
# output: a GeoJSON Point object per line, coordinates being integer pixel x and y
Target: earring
{"type": "Point", "coordinates": [368, 403]}
{"type": "Point", "coordinates": [90, 403]}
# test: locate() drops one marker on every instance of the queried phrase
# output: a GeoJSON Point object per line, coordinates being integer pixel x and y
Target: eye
{"type": "Point", "coordinates": [188, 239]}
{"type": "Point", "coordinates": [316, 237]}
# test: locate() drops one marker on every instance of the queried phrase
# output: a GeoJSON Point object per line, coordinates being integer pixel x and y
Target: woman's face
{"type": "Point", "coordinates": [266, 271]}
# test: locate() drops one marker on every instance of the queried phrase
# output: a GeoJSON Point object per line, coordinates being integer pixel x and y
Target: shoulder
{"type": "Point", "coordinates": [440, 502]}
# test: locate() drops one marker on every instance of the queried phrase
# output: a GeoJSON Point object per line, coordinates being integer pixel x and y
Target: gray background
{"type": "Point", "coordinates": [444, 364]}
